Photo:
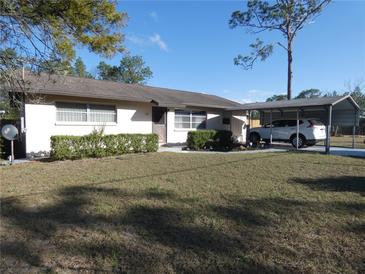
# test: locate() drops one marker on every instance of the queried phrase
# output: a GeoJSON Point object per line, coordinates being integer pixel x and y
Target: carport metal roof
{"type": "Point", "coordinates": [298, 103]}
{"type": "Point", "coordinates": [345, 108]}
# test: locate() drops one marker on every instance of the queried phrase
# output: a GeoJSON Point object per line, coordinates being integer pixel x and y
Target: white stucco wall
{"type": "Point", "coordinates": [132, 117]}
{"type": "Point", "coordinates": [178, 135]}
{"type": "Point", "coordinates": [239, 127]}
{"type": "Point", "coordinates": [40, 122]}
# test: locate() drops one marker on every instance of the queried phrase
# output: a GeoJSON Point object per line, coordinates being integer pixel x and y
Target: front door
{"type": "Point", "coordinates": [159, 123]}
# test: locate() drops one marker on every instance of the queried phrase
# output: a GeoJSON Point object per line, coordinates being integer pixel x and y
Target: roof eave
{"type": "Point", "coordinates": [347, 97]}
{"type": "Point", "coordinates": [222, 107]}
{"type": "Point", "coordinates": [60, 93]}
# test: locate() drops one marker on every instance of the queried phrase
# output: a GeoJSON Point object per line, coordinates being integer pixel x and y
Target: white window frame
{"type": "Point", "coordinates": [190, 119]}
{"type": "Point", "coordinates": [88, 114]}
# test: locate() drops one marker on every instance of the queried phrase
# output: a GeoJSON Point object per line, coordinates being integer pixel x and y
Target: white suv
{"type": "Point", "coordinates": [311, 131]}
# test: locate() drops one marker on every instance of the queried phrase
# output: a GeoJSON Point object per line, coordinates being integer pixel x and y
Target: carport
{"type": "Point", "coordinates": [332, 111]}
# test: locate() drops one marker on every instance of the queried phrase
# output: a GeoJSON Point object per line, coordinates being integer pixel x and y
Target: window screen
{"type": "Point", "coordinates": [190, 119]}
{"type": "Point", "coordinates": [69, 112]}
{"type": "Point", "coordinates": [102, 113]}
{"type": "Point", "coordinates": [72, 112]}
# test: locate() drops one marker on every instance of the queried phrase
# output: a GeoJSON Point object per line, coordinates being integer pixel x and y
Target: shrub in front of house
{"type": "Point", "coordinates": [97, 145]}
{"type": "Point", "coordinates": [210, 140]}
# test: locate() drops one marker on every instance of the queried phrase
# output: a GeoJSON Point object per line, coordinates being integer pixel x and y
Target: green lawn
{"type": "Point", "coordinates": [346, 141]}
{"type": "Point", "coordinates": [185, 213]}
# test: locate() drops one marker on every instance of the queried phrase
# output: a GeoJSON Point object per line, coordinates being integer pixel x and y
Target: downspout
{"type": "Point", "coordinates": [22, 117]}
{"type": "Point", "coordinates": [297, 132]}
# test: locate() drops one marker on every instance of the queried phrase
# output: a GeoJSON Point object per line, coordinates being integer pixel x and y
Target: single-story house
{"type": "Point", "coordinates": [67, 105]}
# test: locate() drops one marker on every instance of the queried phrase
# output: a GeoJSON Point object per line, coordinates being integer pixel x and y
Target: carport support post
{"type": "Point", "coordinates": [297, 144]}
{"type": "Point", "coordinates": [354, 130]}
{"type": "Point", "coordinates": [329, 125]}
{"type": "Point", "coordinates": [249, 128]}
{"type": "Point", "coordinates": [270, 126]}
{"type": "Point", "coordinates": [12, 152]}
{"type": "Point", "coordinates": [249, 118]}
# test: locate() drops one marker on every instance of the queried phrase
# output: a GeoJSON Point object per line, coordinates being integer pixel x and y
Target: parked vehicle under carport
{"type": "Point", "coordinates": [311, 131]}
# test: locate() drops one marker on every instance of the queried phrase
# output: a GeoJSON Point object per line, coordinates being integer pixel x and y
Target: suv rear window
{"type": "Point", "coordinates": [293, 123]}
{"type": "Point", "coordinates": [284, 123]}
{"type": "Point", "coordinates": [316, 123]}
{"type": "Point", "coordinates": [276, 124]}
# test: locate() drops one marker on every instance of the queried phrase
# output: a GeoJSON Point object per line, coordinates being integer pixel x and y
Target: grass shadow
{"type": "Point", "coordinates": [155, 232]}
{"type": "Point", "coordinates": [341, 184]}
{"type": "Point", "coordinates": [21, 251]}
{"type": "Point", "coordinates": [156, 174]}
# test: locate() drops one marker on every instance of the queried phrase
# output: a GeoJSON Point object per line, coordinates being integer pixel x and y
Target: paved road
{"type": "Point", "coordinates": [342, 151]}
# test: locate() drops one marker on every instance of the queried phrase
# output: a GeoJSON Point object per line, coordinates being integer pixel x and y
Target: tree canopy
{"type": "Point", "coordinates": [79, 69]}
{"type": "Point", "coordinates": [285, 16]}
{"type": "Point", "coordinates": [55, 65]}
{"type": "Point", "coordinates": [356, 91]}
{"type": "Point", "coordinates": [309, 93]}
{"type": "Point", "coordinates": [48, 31]}
{"type": "Point", "coordinates": [108, 72]}
{"type": "Point", "coordinates": [279, 97]}
{"type": "Point", "coordinates": [358, 95]}
{"type": "Point", "coordinates": [131, 70]}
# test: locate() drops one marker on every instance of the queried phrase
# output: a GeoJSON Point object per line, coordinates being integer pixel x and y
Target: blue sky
{"type": "Point", "coordinates": [189, 46]}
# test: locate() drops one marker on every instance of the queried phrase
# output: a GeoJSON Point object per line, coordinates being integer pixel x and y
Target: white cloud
{"type": "Point", "coordinates": [145, 41]}
{"type": "Point", "coordinates": [251, 96]}
{"type": "Point", "coordinates": [134, 39]}
{"type": "Point", "coordinates": [242, 101]}
{"type": "Point", "coordinates": [153, 15]}
{"type": "Point", "coordinates": [246, 101]}
{"type": "Point", "coordinates": [255, 91]}
{"type": "Point", "coordinates": [235, 99]}
{"type": "Point", "coordinates": [257, 95]}
{"type": "Point", "coordinates": [156, 39]}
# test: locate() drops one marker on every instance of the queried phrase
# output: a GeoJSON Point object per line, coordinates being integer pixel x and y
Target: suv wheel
{"type": "Point", "coordinates": [254, 138]}
{"type": "Point", "coordinates": [301, 141]}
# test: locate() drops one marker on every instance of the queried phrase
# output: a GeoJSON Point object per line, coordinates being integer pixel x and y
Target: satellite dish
{"type": "Point", "coordinates": [9, 132]}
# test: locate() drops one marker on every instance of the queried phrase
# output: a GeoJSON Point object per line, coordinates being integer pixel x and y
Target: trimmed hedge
{"type": "Point", "coordinates": [210, 139]}
{"type": "Point", "coordinates": [96, 145]}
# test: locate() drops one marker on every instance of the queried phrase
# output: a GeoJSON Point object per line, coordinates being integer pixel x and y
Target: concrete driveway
{"type": "Point", "coordinates": [179, 149]}
{"type": "Point", "coordinates": [278, 147]}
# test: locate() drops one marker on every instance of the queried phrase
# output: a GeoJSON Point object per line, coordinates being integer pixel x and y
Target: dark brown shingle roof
{"type": "Point", "coordinates": [91, 88]}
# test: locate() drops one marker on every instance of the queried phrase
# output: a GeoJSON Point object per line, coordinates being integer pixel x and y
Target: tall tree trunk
{"type": "Point", "coordinates": [290, 74]}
